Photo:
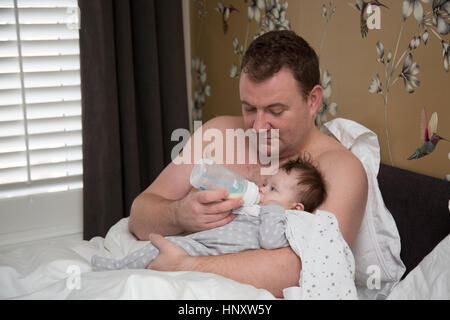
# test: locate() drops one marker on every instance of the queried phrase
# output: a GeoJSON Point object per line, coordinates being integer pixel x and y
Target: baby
{"type": "Point", "coordinates": [298, 185]}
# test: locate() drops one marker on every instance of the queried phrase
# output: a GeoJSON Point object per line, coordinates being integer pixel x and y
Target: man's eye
{"type": "Point", "coordinates": [249, 110]}
{"type": "Point", "coordinates": [272, 188]}
{"type": "Point", "coordinates": [276, 113]}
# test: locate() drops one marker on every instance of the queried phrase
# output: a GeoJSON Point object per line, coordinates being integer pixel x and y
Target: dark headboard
{"type": "Point", "coordinates": [419, 205]}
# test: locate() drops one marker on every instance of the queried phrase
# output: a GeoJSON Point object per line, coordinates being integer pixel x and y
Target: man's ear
{"type": "Point", "coordinates": [298, 206]}
{"type": "Point", "coordinates": [315, 99]}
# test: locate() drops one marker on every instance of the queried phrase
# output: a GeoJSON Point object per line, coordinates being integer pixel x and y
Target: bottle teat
{"type": "Point", "coordinates": [251, 195]}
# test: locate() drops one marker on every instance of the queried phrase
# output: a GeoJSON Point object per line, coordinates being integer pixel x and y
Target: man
{"type": "Point", "coordinates": [279, 89]}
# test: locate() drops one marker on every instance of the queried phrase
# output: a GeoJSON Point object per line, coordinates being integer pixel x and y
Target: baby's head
{"type": "Point", "coordinates": [298, 185]}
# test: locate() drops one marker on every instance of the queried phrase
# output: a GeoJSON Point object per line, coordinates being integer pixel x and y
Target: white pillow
{"type": "Point", "coordinates": [430, 280]}
{"type": "Point", "coordinates": [377, 247]}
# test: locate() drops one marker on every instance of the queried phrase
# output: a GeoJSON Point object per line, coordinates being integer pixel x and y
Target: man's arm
{"type": "Point", "coordinates": [347, 189]}
{"type": "Point", "coordinates": [272, 270]}
{"type": "Point", "coordinates": [170, 206]}
{"type": "Point", "coordinates": [153, 211]}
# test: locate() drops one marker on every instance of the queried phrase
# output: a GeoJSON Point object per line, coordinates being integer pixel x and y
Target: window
{"type": "Point", "coordinates": [40, 120]}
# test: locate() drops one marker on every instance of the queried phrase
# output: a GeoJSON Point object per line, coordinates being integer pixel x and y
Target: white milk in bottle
{"type": "Point", "coordinates": [207, 175]}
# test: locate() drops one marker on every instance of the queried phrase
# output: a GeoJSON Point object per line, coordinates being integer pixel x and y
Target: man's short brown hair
{"type": "Point", "coordinates": [274, 50]}
{"type": "Point", "coordinates": [312, 189]}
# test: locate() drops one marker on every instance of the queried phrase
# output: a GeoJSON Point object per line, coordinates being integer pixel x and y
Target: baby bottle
{"type": "Point", "coordinates": [207, 175]}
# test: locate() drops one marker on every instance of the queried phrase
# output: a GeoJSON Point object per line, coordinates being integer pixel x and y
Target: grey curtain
{"type": "Point", "coordinates": [133, 96]}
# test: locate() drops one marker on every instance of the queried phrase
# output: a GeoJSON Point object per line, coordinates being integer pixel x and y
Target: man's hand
{"type": "Point", "coordinates": [205, 209]}
{"type": "Point", "coordinates": [171, 257]}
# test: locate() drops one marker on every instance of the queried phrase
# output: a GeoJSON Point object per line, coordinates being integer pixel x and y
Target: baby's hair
{"type": "Point", "coordinates": [312, 189]}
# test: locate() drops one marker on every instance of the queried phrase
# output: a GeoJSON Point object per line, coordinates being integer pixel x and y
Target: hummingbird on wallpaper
{"type": "Point", "coordinates": [362, 7]}
{"type": "Point", "coordinates": [429, 136]}
{"type": "Point", "coordinates": [225, 13]}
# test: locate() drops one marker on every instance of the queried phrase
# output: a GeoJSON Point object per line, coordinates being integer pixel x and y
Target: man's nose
{"type": "Point", "coordinates": [260, 122]}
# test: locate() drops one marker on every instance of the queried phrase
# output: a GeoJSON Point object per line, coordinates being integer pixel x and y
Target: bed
{"type": "Point", "coordinates": [420, 206]}
{"type": "Point", "coordinates": [60, 269]}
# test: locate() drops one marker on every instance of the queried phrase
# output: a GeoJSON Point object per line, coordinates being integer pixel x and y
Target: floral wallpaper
{"type": "Point", "coordinates": [384, 64]}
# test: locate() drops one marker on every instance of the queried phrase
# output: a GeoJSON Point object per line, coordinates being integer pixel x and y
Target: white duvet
{"type": "Point", "coordinates": [430, 279]}
{"type": "Point", "coordinates": [61, 270]}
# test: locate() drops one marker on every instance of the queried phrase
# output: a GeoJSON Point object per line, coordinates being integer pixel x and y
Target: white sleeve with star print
{"type": "Point", "coordinates": [328, 265]}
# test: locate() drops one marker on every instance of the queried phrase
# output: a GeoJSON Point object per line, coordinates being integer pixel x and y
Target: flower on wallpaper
{"type": "Point", "coordinates": [321, 114]}
{"type": "Point", "coordinates": [202, 89]}
{"type": "Point", "coordinates": [414, 43]}
{"type": "Point", "coordinates": [380, 52]}
{"type": "Point", "coordinates": [433, 21]}
{"type": "Point", "coordinates": [234, 71]}
{"type": "Point", "coordinates": [238, 49]}
{"type": "Point", "coordinates": [253, 10]}
{"type": "Point", "coordinates": [325, 77]}
{"type": "Point", "coordinates": [409, 72]}
{"type": "Point", "coordinates": [425, 37]}
{"type": "Point", "coordinates": [325, 9]}
{"type": "Point", "coordinates": [375, 85]}
{"type": "Point", "coordinates": [276, 15]}
{"type": "Point", "coordinates": [410, 6]}
{"type": "Point", "coordinates": [201, 8]}
{"type": "Point", "coordinates": [269, 14]}
{"type": "Point", "coordinates": [445, 55]}
{"type": "Point", "coordinates": [441, 12]}
{"type": "Point", "coordinates": [225, 13]}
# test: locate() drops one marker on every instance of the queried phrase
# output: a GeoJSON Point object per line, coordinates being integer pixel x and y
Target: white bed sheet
{"type": "Point", "coordinates": [49, 271]}
{"type": "Point", "coordinates": [53, 271]}
{"type": "Point", "coordinates": [430, 280]}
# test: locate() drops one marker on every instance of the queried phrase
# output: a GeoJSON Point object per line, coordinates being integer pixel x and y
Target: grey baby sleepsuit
{"type": "Point", "coordinates": [245, 232]}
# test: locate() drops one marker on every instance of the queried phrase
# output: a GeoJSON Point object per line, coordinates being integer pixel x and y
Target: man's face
{"type": "Point", "coordinates": [276, 103]}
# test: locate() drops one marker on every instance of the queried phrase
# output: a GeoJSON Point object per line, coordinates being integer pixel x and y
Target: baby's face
{"type": "Point", "coordinates": [281, 189]}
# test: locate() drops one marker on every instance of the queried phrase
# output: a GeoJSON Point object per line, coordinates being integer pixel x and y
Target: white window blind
{"type": "Point", "coordinates": [40, 97]}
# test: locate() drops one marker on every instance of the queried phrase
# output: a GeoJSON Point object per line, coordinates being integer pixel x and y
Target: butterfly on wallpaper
{"type": "Point", "coordinates": [429, 136]}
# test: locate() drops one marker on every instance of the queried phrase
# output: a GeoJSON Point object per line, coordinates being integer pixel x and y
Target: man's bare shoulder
{"type": "Point", "coordinates": [333, 155]}
{"type": "Point", "coordinates": [225, 122]}
{"type": "Point", "coordinates": [341, 169]}
{"type": "Point", "coordinates": [339, 163]}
